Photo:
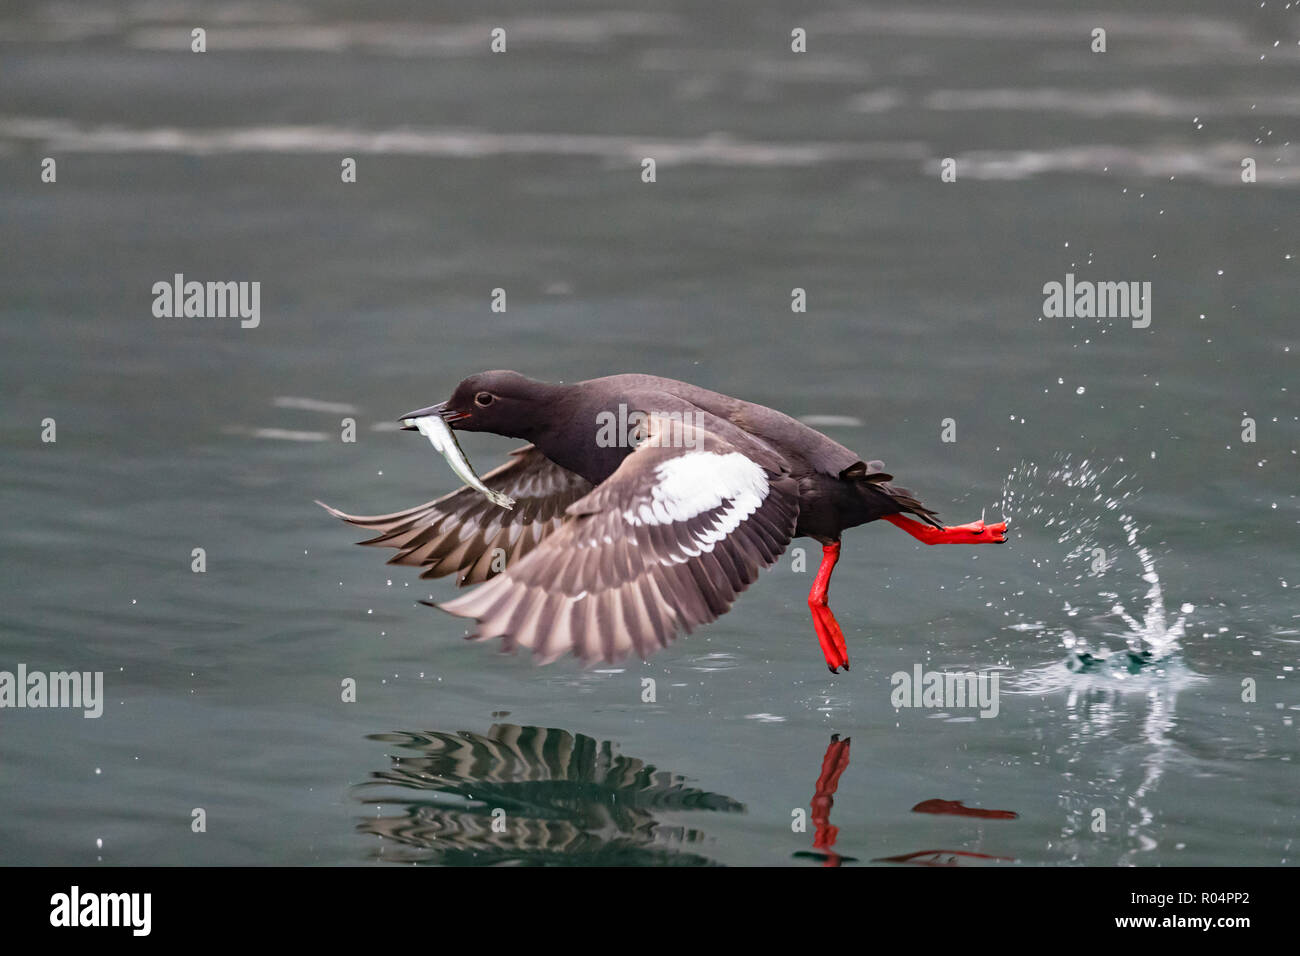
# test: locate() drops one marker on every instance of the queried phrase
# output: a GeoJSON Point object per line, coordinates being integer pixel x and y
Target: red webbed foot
{"type": "Point", "coordinates": [830, 637]}
{"type": "Point", "coordinates": [976, 532]}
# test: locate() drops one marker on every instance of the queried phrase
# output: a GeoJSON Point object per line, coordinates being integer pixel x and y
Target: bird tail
{"type": "Point", "coordinates": [873, 473]}
{"type": "Point", "coordinates": [908, 502]}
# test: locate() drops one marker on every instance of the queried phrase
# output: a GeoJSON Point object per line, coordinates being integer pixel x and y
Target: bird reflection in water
{"type": "Point", "coordinates": [954, 808]}
{"type": "Point", "coordinates": [958, 809]}
{"type": "Point", "coordinates": [940, 858]}
{"type": "Point", "coordinates": [834, 763]}
{"type": "Point", "coordinates": [530, 796]}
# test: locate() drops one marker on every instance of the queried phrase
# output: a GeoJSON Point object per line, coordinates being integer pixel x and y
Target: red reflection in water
{"type": "Point", "coordinates": [938, 857]}
{"type": "Point", "coordinates": [834, 764]}
{"type": "Point", "coordinates": [957, 809]}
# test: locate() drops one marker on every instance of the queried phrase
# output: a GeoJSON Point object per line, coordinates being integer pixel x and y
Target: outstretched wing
{"type": "Point", "coordinates": [665, 544]}
{"type": "Point", "coordinates": [464, 533]}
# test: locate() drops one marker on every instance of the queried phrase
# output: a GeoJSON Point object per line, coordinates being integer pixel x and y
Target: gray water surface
{"type": "Point", "coordinates": [775, 170]}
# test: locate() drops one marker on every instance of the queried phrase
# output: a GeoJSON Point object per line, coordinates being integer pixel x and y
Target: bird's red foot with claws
{"type": "Point", "coordinates": [977, 532]}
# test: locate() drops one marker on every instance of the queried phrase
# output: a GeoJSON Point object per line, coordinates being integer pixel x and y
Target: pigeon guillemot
{"type": "Point", "coordinates": [643, 507]}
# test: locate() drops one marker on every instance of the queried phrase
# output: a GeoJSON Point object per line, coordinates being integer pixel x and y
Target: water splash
{"type": "Point", "coordinates": [1091, 567]}
{"type": "Point", "coordinates": [1151, 636]}
{"type": "Point", "coordinates": [1122, 671]}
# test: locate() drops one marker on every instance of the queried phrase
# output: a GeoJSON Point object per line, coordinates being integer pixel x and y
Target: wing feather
{"type": "Point", "coordinates": [664, 545]}
{"type": "Point", "coordinates": [463, 532]}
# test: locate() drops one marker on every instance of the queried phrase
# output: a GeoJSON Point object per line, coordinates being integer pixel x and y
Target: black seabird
{"type": "Point", "coordinates": [644, 506]}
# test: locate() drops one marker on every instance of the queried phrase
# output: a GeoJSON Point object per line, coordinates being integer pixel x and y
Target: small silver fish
{"type": "Point", "coordinates": [443, 440]}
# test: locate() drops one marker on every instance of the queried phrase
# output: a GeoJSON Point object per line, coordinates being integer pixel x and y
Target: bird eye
{"type": "Point", "coordinates": [483, 398]}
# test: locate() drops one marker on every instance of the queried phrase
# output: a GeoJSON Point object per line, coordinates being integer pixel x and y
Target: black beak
{"type": "Point", "coordinates": [441, 410]}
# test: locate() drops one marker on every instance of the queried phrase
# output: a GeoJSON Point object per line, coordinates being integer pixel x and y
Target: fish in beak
{"type": "Point", "coordinates": [440, 410]}
{"type": "Point", "coordinates": [433, 424]}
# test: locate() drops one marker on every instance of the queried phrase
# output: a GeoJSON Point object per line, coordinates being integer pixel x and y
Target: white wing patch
{"type": "Point", "coordinates": [692, 484]}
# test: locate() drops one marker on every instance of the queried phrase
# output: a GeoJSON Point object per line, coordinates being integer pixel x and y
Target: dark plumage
{"type": "Point", "coordinates": [644, 506]}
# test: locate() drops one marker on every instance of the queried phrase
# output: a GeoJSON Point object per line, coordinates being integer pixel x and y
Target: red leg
{"type": "Point", "coordinates": [828, 629]}
{"type": "Point", "coordinates": [977, 532]}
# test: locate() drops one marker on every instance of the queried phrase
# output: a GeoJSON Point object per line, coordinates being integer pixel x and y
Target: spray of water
{"type": "Point", "coordinates": [1092, 566]}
